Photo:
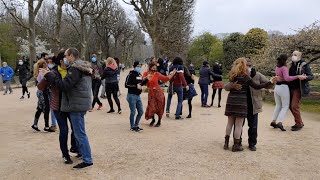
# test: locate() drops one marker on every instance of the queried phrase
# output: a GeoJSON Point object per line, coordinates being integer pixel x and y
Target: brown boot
{"type": "Point", "coordinates": [236, 146]}
{"type": "Point", "coordinates": [226, 142]}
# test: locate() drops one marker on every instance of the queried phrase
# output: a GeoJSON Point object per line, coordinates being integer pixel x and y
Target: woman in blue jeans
{"type": "Point", "coordinates": [178, 82]}
{"type": "Point", "coordinates": [134, 84]}
{"type": "Point", "coordinates": [204, 81]}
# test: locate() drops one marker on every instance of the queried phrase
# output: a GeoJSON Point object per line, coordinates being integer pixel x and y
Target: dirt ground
{"type": "Point", "coordinates": [186, 149]}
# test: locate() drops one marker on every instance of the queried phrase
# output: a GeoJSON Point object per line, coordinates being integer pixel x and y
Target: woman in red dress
{"type": "Point", "coordinates": [156, 99]}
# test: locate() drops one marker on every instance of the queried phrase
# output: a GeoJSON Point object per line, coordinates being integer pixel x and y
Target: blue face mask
{"type": "Point", "coordinates": [65, 61]}
{"type": "Point", "coordinates": [138, 69]}
{"type": "Point", "coordinates": [50, 66]}
{"type": "Point", "coordinates": [93, 59]}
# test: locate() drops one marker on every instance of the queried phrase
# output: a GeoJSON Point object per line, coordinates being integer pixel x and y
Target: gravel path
{"type": "Point", "coordinates": [187, 149]}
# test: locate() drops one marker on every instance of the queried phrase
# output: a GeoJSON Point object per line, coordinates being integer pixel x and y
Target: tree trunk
{"type": "Point", "coordinates": [56, 37]}
{"type": "Point", "coordinates": [156, 47]}
{"type": "Point", "coordinates": [116, 46]}
{"type": "Point", "coordinates": [32, 34]}
{"type": "Point", "coordinates": [83, 38]}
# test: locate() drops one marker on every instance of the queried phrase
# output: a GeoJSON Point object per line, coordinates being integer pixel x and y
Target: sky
{"type": "Point", "coordinates": [227, 16]}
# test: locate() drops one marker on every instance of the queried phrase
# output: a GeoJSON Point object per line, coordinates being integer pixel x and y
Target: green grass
{"type": "Point", "coordinates": [308, 104]}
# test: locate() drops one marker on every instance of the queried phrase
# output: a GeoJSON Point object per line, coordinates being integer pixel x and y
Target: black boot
{"type": "Point", "coordinates": [280, 126]}
{"type": "Point", "coordinates": [236, 146]}
{"type": "Point", "coordinates": [158, 123]}
{"type": "Point", "coordinates": [226, 142]}
{"type": "Point", "coordinates": [152, 122]}
{"type": "Point", "coordinates": [273, 124]}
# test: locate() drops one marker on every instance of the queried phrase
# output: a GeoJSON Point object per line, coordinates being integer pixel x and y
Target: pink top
{"type": "Point", "coordinates": [283, 74]}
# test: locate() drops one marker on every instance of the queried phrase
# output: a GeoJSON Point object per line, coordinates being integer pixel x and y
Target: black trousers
{"type": "Point", "coordinates": [96, 83]}
{"type": "Point", "coordinates": [46, 111]}
{"type": "Point", "coordinates": [112, 90]}
{"type": "Point", "coordinates": [253, 129]}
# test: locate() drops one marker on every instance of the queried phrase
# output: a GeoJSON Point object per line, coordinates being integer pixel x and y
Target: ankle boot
{"type": "Point", "coordinates": [226, 142]}
{"type": "Point", "coordinates": [236, 146]}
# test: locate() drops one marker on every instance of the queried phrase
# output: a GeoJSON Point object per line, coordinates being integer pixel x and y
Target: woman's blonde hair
{"type": "Point", "coordinates": [109, 61]}
{"type": "Point", "coordinates": [239, 68]}
{"type": "Point", "coordinates": [39, 64]}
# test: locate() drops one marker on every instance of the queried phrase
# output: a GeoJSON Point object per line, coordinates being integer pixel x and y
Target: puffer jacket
{"type": "Point", "coordinates": [6, 73]}
{"type": "Point", "coordinates": [75, 87]}
{"type": "Point", "coordinates": [110, 74]}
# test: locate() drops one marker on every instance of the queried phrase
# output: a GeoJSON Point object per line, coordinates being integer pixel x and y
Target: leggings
{"type": "Point", "coordinates": [214, 94]}
{"type": "Point", "coordinates": [190, 106]}
{"type": "Point", "coordinates": [96, 83]}
{"type": "Point", "coordinates": [237, 122]}
{"type": "Point", "coordinates": [114, 93]}
{"type": "Point", "coordinates": [46, 111]}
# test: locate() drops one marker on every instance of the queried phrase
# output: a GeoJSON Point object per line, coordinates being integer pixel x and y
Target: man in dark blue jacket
{"type": "Point", "coordinates": [298, 88]}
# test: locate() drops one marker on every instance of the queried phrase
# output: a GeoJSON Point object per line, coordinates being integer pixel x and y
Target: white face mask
{"type": "Point", "coordinates": [295, 59]}
{"type": "Point", "coordinates": [249, 69]}
{"type": "Point", "coordinates": [20, 62]}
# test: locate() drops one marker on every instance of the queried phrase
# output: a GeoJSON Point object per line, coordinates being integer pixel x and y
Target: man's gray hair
{"type": "Point", "coordinates": [73, 51]}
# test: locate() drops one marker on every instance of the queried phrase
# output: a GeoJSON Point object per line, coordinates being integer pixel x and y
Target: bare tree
{"type": "Point", "coordinates": [89, 11]}
{"type": "Point", "coordinates": [30, 26]}
{"type": "Point", "coordinates": [156, 17]}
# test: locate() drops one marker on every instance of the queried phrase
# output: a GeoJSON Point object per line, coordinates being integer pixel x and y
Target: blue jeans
{"type": "Point", "coordinates": [77, 119]}
{"type": "Point", "coordinates": [53, 118]}
{"type": "Point", "coordinates": [179, 91]}
{"type": "Point", "coordinates": [204, 93]}
{"type": "Point", "coordinates": [135, 103]}
{"type": "Point", "coordinates": [62, 118]}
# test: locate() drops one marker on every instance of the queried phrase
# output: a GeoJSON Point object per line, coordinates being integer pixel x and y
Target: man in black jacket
{"type": "Point", "coordinates": [134, 83]}
{"type": "Point", "coordinates": [76, 98]}
{"type": "Point", "coordinates": [298, 88]}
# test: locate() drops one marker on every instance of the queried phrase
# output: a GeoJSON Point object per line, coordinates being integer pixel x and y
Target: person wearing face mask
{"type": "Point", "coordinates": [96, 81]}
{"type": "Point", "coordinates": [281, 91]}
{"type": "Point", "coordinates": [23, 70]}
{"type": "Point", "coordinates": [7, 73]}
{"type": "Point", "coordinates": [298, 87]}
{"type": "Point", "coordinates": [60, 70]}
{"type": "Point", "coordinates": [43, 56]}
{"type": "Point", "coordinates": [51, 66]}
{"type": "Point", "coordinates": [156, 99]}
{"type": "Point", "coordinates": [76, 98]}
{"type": "Point", "coordinates": [134, 84]}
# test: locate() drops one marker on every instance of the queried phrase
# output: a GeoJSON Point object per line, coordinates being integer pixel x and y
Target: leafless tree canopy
{"type": "Point", "coordinates": [169, 24]}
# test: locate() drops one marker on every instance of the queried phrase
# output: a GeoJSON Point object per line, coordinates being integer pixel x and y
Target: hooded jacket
{"type": "Point", "coordinates": [6, 73]}
{"type": "Point", "coordinates": [75, 87]}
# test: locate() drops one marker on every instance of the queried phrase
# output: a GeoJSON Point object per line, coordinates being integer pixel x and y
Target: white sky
{"type": "Point", "coordinates": [226, 16]}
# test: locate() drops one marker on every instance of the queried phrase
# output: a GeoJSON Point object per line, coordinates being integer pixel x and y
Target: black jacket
{"type": "Point", "coordinates": [133, 79]}
{"type": "Point", "coordinates": [299, 69]}
{"type": "Point", "coordinates": [111, 75]}
{"type": "Point", "coordinates": [76, 87]}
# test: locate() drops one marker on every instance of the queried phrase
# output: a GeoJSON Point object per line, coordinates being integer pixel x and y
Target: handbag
{"type": "Point", "coordinates": [189, 94]}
